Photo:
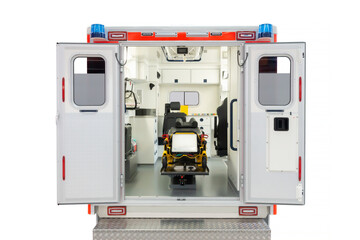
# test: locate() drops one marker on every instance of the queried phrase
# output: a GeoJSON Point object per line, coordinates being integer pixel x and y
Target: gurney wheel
{"type": "Point", "coordinates": [164, 162]}
{"type": "Point", "coordinates": [204, 162]}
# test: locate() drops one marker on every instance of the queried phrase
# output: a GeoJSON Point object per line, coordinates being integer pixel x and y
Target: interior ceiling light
{"type": "Point", "coordinates": [183, 54]}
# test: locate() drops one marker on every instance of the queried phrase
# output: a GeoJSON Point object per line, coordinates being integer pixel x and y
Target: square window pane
{"type": "Point", "coordinates": [191, 98]}
{"type": "Point", "coordinates": [177, 97]}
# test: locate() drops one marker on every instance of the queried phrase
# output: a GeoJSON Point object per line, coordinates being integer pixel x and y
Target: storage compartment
{"type": "Point", "coordinates": [206, 76]}
{"type": "Point", "coordinates": [179, 76]}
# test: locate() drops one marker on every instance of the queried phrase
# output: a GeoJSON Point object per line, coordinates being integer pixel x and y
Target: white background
{"type": "Point", "coordinates": [29, 32]}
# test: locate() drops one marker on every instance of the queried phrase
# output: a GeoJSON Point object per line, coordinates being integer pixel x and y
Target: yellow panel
{"type": "Point", "coordinates": [184, 109]}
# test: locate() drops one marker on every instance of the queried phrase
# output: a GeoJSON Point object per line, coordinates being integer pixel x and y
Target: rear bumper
{"type": "Point", "coordinates": [180, 229]}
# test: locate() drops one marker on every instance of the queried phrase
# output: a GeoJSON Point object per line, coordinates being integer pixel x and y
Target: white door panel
{"type": "Point", "coordinates": [88, 137]}
{"type": "Point", "coordinates": [274, 123]}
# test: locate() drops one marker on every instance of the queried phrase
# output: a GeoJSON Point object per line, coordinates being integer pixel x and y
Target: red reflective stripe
{"type": "Point", "coordinates": [88, 38]}
{"type": "Point", "coordinates": [181, 36]}
{"type": "Point", "coordinates": [300, 89]}
{"type": "Point", "coordinates": [299, 169]}
{"type": "Point", "coordinates": [63, 89]}
{"type": "Point", "coordinates": [256, 41]}
{"type": "Point", "coordinates": [63, 168]}
{"type": "Point", "coordinates": [274, 209]}
{"type": "Point", "coordinates": [104, 41]}
{"type": "Point", "coordinates": [89, 209]}
{"type": "Point", "coordinates": [275, 37]}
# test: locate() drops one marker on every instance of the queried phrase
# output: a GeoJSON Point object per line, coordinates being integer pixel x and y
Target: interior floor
{"type": "Point", "coordinates": [148, 182]}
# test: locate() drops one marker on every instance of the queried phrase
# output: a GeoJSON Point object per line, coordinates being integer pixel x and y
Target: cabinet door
{"type": "Point", "coordinates": [88, 120]}
{"type": "Point", "coordinates": [176, 76]}
{"type": "Point", "coordinates": [143, 71]}
{"type": "Point", "coordinates": [205, 76]}
{"type": "Point", "coordinates": [274, 123]}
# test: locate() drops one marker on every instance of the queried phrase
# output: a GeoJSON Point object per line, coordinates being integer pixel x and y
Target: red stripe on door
{"type": "Point", "coordinates": [63, 89]}
{"type": "Point", "coordinates": [63, 168]}
{"type": "Point", "coordinates": [299, 169]}
{"type": "Point", "coordinates": [300, 89]}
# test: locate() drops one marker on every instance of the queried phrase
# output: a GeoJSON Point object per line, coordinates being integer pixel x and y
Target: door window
{"type": "Point", "coordinates": [274, 81]}
{"type": "Point", "coordinates": [89, 81]}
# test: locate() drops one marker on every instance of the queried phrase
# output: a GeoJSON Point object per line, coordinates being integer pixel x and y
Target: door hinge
{"type": "Point", "coordinates": [242, 181]}
{"type": "Point", "coordinates": [121, 180]}
{"type": "Point", "coordinates": [241, 62]}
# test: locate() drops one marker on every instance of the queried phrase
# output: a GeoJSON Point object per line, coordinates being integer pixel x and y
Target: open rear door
{"type": "Point", "coordinates": [274, 123]}
{"type": "Point", "coordinates": [88, 134]}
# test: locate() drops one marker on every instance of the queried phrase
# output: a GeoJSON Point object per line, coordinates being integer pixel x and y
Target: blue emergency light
{"type": "Point", "coordinates": [265, 30]}
{"type": "Point", "coordinates": [97, 31]}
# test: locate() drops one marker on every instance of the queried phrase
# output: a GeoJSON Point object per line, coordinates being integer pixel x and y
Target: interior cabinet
{"type": "Point", "coordinates": [194, 76]}
{"type": "Point", "coordinates": [205, 76]}
{"type": "Point", "coordinates": [176, 76]}
{"type": "Point", "coordinates": [143, 71]}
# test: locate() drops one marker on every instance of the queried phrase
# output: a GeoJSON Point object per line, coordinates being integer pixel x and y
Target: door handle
{"type": "Point", "coordinates": [231, 125]}
{"type": "Point", "coordinates": [88, 111]}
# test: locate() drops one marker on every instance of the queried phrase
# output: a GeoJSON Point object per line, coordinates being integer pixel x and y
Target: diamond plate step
{"type": "Point", "coordinates": [180, 229]}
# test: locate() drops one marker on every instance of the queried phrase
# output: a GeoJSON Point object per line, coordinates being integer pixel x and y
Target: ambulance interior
{"type": "Point", "coordinates": [203, 80]}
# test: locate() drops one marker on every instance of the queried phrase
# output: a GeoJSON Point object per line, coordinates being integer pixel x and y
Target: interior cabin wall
{"type": "Point", "coordinates": [233, 156]}
{"type": "Point", "coordinates": [209, 98]}
{"type": "Point", "coordinates": [147, 96]}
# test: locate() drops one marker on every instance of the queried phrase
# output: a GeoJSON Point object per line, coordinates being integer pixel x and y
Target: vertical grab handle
{"type": "Point", "coordinates": [231, 124]}
{"type": "Point", "coordinates": [216, 129]}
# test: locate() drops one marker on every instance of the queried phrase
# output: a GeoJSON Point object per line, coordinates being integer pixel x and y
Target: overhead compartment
{"type": "Point", "coordinates": [206, 76]}
{"type": "Point", "coordinates": [179, 76]}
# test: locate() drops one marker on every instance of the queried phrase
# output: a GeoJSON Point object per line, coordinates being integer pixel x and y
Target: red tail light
{"type": "Point", "coordinates": [248, 211]}
{"type": "Point", "coordinates": [274, 209]}
{"type": "Point", "coordinates": [116, 211]}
